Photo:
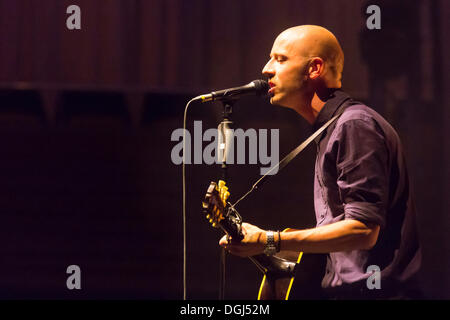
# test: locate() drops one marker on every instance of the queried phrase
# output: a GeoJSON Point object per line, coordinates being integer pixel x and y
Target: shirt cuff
{"type": "Point", "coordinates": [365, 212]}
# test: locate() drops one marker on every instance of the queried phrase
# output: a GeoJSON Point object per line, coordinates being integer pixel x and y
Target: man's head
{"type": "Point", "coordinates": [304, 60]}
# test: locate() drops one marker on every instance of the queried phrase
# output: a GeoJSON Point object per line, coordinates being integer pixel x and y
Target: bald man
{"type": "Point", "coordinates": [362, 199]}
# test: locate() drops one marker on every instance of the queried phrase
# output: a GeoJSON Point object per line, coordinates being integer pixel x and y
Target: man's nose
{"type": "Point", "coordinates": [268, 70]}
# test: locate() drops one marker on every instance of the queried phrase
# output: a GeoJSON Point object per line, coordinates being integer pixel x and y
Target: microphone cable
{"type": "Point", "coordinates": [204, 98]}
{"type": "Point", "coordinates": [184, 196]}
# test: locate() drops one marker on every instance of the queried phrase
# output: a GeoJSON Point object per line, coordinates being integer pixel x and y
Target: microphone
{"type": "Point", "coordinates": [256, 87]}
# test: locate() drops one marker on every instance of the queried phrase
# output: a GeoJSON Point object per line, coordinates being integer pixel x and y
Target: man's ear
{"type": "Point", "coordinates": [316, 67]}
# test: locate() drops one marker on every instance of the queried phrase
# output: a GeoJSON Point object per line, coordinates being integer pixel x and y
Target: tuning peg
{"type": "Point", "coordinates": [224, 198]}
{"type": "Point", "coordinates": [208, 216]}
{"type": "Point", "coordinates": [222, 191]}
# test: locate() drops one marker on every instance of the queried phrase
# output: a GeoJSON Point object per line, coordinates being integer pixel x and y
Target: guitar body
{"type": "Point", "coordinates": [278, 270]}
{"type": "Point", "coordinates": [275, 286]}
{"type": "Point", "coordinates": [305, 284]}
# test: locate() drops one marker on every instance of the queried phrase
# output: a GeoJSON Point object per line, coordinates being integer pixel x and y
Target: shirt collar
{"type": "Point", "coordinates": [334, 101]}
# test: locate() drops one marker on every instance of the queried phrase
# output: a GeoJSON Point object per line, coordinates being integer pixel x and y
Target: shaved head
{"type": "Point", "coordinates": [306, 63]}
{"type": "Point", "coordinates": [315, 41]}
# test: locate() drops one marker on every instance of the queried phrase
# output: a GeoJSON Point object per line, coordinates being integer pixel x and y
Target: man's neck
{"type": "Point", "coordinates": [310, 108]}
{"type": "Point", "coordinates": [312, 104]}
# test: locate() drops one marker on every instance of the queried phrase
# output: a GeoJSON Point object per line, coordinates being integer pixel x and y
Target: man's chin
{"type": "Point", "coordinates": [276, 102]}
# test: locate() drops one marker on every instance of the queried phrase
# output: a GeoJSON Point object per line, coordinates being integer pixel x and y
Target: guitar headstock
{"type": "Point", "coordinates": [215, 203]}
{"type": "Point", "coordinates": [219, 213]}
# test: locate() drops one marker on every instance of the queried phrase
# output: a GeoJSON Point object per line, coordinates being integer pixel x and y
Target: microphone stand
{"type": "Point", "coordinates": [223, 127]}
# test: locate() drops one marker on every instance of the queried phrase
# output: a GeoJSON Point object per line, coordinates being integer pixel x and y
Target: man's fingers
{"type": "Point", "coordinates": [235, 250]}
{"type": "Point", "coordinates": [223, 241]}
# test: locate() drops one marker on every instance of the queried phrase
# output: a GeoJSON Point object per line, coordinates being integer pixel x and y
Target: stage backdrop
{"type": "Point", "coordinates": [86, 118]}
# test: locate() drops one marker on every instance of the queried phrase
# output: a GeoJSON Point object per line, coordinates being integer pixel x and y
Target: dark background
{"type": "Point", "coordinates": [86, 118]}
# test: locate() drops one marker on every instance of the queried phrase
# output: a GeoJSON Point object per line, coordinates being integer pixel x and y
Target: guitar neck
{"type": "Point", "coordinates": [276, 266]}
{"type": "Point", "coordinates": [232, 227]}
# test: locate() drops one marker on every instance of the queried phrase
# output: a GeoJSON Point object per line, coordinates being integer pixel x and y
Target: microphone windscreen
{"type": "Point", "coordinates": [261, 87]}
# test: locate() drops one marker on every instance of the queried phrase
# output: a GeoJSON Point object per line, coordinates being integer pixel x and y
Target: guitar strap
{"type": "Point", "coordinates": [291, 155]}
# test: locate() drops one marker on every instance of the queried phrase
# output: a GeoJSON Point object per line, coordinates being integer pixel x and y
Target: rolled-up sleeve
{"type": "Point", "coordinates": [362, 171]}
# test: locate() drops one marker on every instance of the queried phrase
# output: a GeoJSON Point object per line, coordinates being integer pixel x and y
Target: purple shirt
{"type": "Point", "coordinates": [360, 174]}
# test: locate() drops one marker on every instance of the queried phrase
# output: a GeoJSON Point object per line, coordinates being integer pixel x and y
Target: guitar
{"type": "Point", "coordinates": [279, 273]}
